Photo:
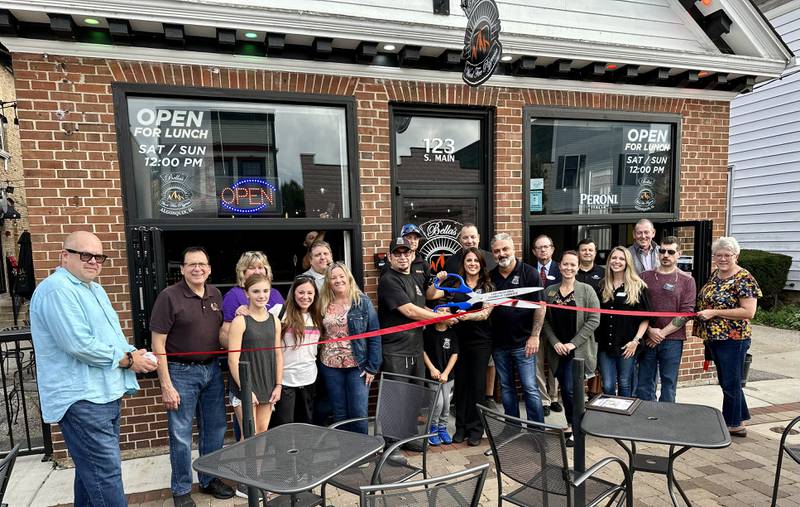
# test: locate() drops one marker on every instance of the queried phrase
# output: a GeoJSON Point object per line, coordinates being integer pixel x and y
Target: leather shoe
{"type": "Point", "coordinates": [556, 407]}
{"type": "Point", "coordinates": [473, 442]}
{"type": "Point", "coordinates": [218, 489]}
{"type": "Point", "coordinates": [546, 411]}
{"type": "Point", "coordinates": [183, 500]}
{"type": "Point", "coordinates": [458, 437]}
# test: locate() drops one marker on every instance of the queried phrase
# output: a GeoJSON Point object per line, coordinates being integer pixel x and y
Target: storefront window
{"type": "Point", "coordinates": [587, 167]}
{"type": "Point", "coordinates": [206, 159]}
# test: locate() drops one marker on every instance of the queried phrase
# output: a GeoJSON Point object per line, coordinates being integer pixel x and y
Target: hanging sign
{"type": "Point", "coordinates": [441, 241]}
{"type": "Point", "coordinates": [482, 48]}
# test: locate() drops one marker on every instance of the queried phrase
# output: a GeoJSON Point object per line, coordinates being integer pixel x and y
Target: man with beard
{"type": "Point", "coordinates": [515, 331]}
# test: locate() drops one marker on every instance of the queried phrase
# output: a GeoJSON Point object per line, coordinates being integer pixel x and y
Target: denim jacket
{"type": "Point", "coordinates": [360, 319]}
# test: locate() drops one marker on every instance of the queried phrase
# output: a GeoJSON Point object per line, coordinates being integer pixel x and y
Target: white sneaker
{"type": "Point", "coordinates": [241, 490]}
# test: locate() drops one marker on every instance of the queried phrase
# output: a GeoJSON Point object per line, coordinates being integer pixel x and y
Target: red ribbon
{"type": "Point", "coordinates": [421, 323]}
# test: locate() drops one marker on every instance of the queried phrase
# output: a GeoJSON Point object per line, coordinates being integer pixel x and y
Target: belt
{"type": "Point", "coordinates": [190, 360]}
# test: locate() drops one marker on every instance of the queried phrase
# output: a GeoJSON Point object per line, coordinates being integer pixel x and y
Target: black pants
{"type": "Point", "coordinates": [405, 365]}
{"type": "Point", "coordinates": [296, 405]}
{"type": "Point", "coordinates": [470, 388]}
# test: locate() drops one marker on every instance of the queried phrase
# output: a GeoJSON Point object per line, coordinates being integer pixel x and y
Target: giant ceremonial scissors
{"type": "Point", "coordinates": [501, 297]}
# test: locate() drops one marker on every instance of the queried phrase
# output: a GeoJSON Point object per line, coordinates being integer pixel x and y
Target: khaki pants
{"type": "Point", "coordinates": [548, 391]}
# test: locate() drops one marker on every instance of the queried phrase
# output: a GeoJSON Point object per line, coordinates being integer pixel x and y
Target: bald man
{"type": "Point", "coordinates": [85, 366]}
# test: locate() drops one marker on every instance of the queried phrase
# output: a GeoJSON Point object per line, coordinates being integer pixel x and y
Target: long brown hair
{"type": "Point", "coordinates": [484, 281]}
{"type": "Point", "coordinates": [293, 318]}
{"type": "Point", "coordinates": [634, 285]}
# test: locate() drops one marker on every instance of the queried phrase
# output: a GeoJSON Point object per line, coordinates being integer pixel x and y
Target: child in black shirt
{"type": "Point", "coordinates": [440, 356]}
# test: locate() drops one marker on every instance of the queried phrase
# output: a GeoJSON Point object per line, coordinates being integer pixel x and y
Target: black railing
{"type": "Point", "coordinates": [22, 415]}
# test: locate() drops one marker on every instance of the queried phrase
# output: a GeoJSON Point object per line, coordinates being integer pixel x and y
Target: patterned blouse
{"type": "Point", "coordinates": [724, 294]}
{"type": "Point", "coordinates": [336, 354]}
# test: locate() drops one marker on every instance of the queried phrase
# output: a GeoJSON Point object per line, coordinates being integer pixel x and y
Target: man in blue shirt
{"type": "Point", "coordinates": [84, 365]}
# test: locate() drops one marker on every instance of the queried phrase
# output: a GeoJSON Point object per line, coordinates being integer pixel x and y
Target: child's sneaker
{"type": "Point", "coordinates": [444, 437]}
{"type": "Point", "coordinates": [434, 440]}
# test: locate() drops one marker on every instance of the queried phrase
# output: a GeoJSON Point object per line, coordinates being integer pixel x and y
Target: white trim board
{"type": "Point", "coordinates": [181, 57]}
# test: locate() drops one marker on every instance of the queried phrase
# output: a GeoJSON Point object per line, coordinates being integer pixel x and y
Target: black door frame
{"type": "Point", "coordinates": [483, 190]}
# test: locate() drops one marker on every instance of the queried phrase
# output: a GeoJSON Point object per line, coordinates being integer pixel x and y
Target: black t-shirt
{"type": "Point", "coordinates": [592, 277]}
{"type": "Point", "coordinates": [471, 331]}
{"type": "Point", "coordinates": [420, 270]}
{"type": "Point", "coordinates": [394, 290]}
{"type": "Point", "coordinates": [511, 327]}
{"type": "Point", "coordinates": [454, 262]}
{"type": "Point", "coordinates": [440, 346]}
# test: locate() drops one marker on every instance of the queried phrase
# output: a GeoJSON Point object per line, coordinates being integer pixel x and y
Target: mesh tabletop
{"type": "Point", "coordinates": [662, 423]}
{"type": "Point", "coordinates": [290, 458]}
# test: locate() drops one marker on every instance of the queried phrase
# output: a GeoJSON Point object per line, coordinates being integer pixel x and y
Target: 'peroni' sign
{"type": "Point", "coordinates": [482, 48]}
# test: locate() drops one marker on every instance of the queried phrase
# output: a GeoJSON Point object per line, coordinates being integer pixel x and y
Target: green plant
{"type": "Point", "coordinates": [770, 271]}
{"type": "Point", "coordinates": [781, 316]}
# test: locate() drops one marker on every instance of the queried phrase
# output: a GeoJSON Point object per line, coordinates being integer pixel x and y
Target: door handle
{"type": "Point", "coordinates": [397, 190]}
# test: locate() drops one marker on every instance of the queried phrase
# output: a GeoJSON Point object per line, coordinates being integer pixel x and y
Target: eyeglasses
{"type": "Point", "coordinates": [723, 256]}
{"type": "Point", "coordinates": [543, 247]}
{"type": "Point", "coordinates": [87, 256]}
{"type": "Point", "coordinates": [669, 251]}
{"type": "Point", "coordinates": [194, 265]}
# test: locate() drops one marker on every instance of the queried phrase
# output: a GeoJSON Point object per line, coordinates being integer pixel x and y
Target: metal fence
{"type": "Point", "coordinates": [22, 416]}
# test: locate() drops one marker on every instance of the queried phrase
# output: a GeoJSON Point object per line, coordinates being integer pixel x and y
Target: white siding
{"type": "Point", "coordinates": [645, 23]}
{"type": "Point", "coordinates": [765, 154]}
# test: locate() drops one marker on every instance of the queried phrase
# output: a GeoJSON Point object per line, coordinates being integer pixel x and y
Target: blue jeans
{"type": "Point", "coordinates": [663, 360]}
{"type": "Point", "coordinates": [348, 394]}
{"type": "Point", "coordinates": [508, 360]}
{"type": "Point", "coordinates": [564, 375]}
{"type": "Point", "coordinates": [202, 392]}
{"type": "Point", "coordinates": [616, 371]}
{"type": "Point", "coordinates": [91, 432]}
{"type": "Point", "coordinates": [729, 357]}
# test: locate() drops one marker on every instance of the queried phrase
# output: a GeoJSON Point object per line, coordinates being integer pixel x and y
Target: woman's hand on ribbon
{"type": "Point", "coordinates": [706, 314]}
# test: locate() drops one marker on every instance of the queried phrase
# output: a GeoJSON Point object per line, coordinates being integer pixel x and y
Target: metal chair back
{"type": "Point", "coordinates": [405, 406]}
{"type": "Point", "coordinates": [792, 450]}
{"type": "Point", "coordinates": [530, 453]}
{"type": "Point", "coordinates": [6, 466]}
{"type": "Point", "coordinates": [458, 489]}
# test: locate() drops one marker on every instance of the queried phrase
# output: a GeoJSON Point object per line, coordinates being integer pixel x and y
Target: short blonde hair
{"type": "Point", "coordinates": [248, 259]}
{"type": "Point", "coordinates": [726, 243]}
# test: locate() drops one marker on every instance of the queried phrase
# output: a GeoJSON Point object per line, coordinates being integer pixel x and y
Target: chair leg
{"type": "Point", "coordinates": [777, 477]}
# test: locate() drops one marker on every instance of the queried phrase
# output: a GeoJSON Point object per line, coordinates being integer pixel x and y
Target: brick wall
{"type": "Point", "coordinates": [73, 174]}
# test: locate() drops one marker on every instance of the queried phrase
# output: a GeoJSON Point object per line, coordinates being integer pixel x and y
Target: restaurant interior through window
{"type": "Point", "coordinates": [596, 174]}
{"type": "Point", "coordinates": [232, 175]}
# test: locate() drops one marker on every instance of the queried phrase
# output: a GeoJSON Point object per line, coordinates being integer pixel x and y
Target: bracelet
{"type": "Point", "coordinates": [130, 361]}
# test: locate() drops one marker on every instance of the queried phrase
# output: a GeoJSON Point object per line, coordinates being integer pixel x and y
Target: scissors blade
{"type": "Point", "coordinates": [502, 295]}
{"type": "Point", "coordinates": [518, 303]}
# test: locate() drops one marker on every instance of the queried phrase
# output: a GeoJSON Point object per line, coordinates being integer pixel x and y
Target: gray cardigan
{"type": "Point", "coordinates": [585, 324]}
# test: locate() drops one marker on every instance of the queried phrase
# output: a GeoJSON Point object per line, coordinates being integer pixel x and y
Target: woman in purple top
{"type": "Point", "coordinates": [249, 263]}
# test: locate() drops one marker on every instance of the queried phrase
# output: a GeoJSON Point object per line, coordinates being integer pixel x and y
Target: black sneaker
{"type": "Point", "coordinates": [474, 441]}
{"type": "Point", "coordinates": [458, 437]}
{"type": "Point", "coordinates": [414, 446]}
{"type": "Point", "coordinates": [546, 411]}
{"type": "Point", "coordinates": [556, 407]}
{"type": "Point", "coordinates": [183, 500]}
{"type": "Point", "coordinates": [570, 441]}
{"type": "Point", "coordinates": [218, 489]}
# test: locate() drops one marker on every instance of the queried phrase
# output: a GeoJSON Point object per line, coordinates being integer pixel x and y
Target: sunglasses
{"type": "Point", "coordinates": [669, 251]}
{"type": "Point", "coordinates": [86, 256]}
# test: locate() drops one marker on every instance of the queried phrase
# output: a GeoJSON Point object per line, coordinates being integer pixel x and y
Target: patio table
{"type": "Point", "coordinates": [680, 426]}
{"type": "Point", "coordinates": [290, 459]}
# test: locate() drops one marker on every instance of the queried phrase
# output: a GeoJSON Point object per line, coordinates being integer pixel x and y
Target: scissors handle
{"type": "Point", "coordinates": [461, 306]}
{"type": "Point", "coordinates": [462, 287]}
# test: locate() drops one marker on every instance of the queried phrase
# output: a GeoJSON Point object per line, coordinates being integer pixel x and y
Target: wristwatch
{"type": "Point", "coordinates": [130, 361]}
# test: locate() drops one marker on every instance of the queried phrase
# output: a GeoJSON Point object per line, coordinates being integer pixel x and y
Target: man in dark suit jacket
{"type": "Point", "coordinates": [549, 274]}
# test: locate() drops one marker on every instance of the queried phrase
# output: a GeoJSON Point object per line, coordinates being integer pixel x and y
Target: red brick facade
{"type": "Point", "coordinates": [72, 171]}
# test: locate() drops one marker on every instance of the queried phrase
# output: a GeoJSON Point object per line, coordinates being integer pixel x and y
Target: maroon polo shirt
{"type": "Point", "coordinates": [190, 322]}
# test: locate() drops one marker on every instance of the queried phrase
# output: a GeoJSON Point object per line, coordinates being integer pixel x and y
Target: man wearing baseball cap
{"type": "Point", "coordinates": [401, 300]}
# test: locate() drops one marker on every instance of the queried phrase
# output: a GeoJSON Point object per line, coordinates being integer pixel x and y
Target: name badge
{"type": "Point", "coordinates": [515, 280]}
{"type": "Point", "coordinates": [595, 277]}
{"type": "Point", "coordinates": [622, 294]}
{"type": "Point", "coordinates": [668, 286]}
{"type": "Point", "coordinates": [446, 344]}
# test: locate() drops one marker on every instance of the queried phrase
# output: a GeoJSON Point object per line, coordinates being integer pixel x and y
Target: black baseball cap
{"type": "Point", "coordinates": [399, 243]}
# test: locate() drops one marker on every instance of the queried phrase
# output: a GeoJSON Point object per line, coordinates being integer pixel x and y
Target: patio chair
{"type": "Point", "coordinates": [459, 489]}
{"type": "Point", "coordinates": [6, 466]}
{"type": "Point", "coordinates": [793, 451]}
{"type": "Point", "coordinates": [534, 455]}
{"type": "Point", "coordinates": [402, 415]}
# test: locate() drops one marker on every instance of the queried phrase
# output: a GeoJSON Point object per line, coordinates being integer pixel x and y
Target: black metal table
{"type": "Point", "coordinates": [680, 426]}
{"type": "Point", "coordinates": [290, 459]}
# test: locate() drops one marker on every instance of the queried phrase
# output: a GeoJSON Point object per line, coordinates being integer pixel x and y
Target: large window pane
{"type": "Point", "coordinates": [447, 149]}
{"type": "Point", "coordinates": [202, 159]}
{"type": "Point", "coordinates": [582, 167]}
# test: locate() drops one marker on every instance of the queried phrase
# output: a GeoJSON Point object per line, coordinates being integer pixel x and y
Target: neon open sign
{"type": "Point", "coordinates": [249, 195]}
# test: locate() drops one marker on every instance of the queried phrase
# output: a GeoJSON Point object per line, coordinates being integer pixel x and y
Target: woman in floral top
{"type": "Point", "coordinates": [348, 366]}
{"type": "Point", "coordinates": [725, 305]}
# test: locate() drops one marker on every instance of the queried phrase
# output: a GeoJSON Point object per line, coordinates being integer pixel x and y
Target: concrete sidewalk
{"type": "Point", "coordinates": [741, 474]}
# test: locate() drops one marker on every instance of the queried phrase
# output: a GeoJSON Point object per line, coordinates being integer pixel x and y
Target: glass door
{"type": "Point", "coordinates": [440, 173]}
